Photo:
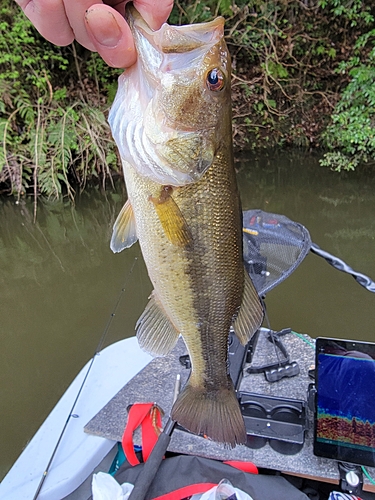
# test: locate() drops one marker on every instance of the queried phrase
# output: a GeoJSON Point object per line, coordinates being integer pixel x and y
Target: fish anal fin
{"type": "Point", "coordinates": [171, 218]}
{"type": "Point", "coordinates": [124, 230]}
{"type": "Point", "coordinates": [156, 334]}
{"type": "Point", "coordinates": [251, 313]}
{"type": "Point", "coordinates": [214, 414]}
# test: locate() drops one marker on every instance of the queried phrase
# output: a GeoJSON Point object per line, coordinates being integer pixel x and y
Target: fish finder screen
{"type": "Point", "coordinates": [345, 401]}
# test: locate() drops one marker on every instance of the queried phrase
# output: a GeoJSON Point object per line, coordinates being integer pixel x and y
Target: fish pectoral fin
{"type": "Point", "coordinates": [124, 230]}
{"type": "Point", "coordinates": [156, 334]}
{"type": "Point", "coordinates": [171, 218]}
{"type": "Point", "coordinates": [251, 313]}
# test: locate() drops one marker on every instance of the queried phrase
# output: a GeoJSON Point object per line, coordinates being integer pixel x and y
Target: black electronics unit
{"type": "Point", "coordinates": [344, 418]}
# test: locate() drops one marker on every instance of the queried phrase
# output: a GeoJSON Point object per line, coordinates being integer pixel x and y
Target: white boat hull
{"type": "Point", "coordinates": [78, 453]}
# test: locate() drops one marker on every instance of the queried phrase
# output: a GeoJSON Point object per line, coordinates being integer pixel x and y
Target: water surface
{"type": "Point", "coordinates": [59, 281]}
{"type": "Point", "coordinates": [338, 210]}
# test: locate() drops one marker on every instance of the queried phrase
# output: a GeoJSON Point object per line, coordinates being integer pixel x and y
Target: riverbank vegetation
{"type": "Point", "coordinates": [303, 75]}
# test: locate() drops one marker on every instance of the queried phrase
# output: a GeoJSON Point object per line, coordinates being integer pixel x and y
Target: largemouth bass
{"type": "Point", "coordinates": [171, 120]}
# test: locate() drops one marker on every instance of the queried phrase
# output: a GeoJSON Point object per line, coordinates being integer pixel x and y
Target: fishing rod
{"type": "Point", "coordinates": [97, 351]}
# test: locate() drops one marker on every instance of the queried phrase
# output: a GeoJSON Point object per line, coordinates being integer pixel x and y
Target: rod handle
{"type": "Point", "coordinates": [151, 466]}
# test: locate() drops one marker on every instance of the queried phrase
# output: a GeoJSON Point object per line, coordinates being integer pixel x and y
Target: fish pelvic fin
{"type": "Point", "coordinates": [124, 230]}
{"type": "Point", "coordinates": [173, 222]}
{"type": "Point", "coordinates": [251, 313]}
{"type": "Point", "coordinates": [214, 414]}
{"type": "Point", "coordinates": [155, 332]}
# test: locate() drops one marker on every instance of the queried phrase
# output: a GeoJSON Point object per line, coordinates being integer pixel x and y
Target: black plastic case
{"type": "Point", "coordinates": [280, 421]}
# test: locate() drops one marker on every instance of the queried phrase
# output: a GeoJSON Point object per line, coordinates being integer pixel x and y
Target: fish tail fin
{"type": "Point", "coordinates": [215, 414]}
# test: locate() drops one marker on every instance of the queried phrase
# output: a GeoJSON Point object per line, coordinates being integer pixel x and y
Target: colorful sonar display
{"type": "Point", "coordinates": [345, 402]}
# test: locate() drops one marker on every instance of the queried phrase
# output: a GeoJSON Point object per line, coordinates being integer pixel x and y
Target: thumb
{"type": "Point", "coordinates": [155, 13]}
{"type": "Point", "coordinates": [111, 36]}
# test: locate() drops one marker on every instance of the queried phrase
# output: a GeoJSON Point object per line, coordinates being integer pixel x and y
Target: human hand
{"type": "Point", "coordinates": [98, 26]}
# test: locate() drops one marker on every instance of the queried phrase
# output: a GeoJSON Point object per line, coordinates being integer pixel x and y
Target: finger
{"type": "Point", "coordinates": [49, 18]}
{"type": "Point", "coordinates": [154, 12]}
{"type": "Point", "coordinates": [75, 12]}
{"type": "Point", "coordinates": [111, 36]}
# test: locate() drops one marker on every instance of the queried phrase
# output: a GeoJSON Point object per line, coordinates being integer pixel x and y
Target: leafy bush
{"type": "Point", "coordinates": [53, 128]}
{"type": "Point", "coordinates": [48, 148]}
{"type": "Point", "coordinates": [352, 131]}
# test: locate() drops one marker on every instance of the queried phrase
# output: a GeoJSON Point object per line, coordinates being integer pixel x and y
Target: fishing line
{"type": "Point", "coordinates": [302, 337]}
{"type": "Point", "coordinates": [372, 481]}
{"type": "Point", "coordinates": [97, 351]}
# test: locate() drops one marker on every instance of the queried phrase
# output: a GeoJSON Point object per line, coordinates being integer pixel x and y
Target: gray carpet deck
{"type": "Point", "coordinates": [155, 383]}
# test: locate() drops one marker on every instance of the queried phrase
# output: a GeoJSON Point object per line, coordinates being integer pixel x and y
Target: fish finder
{"type": "Point", "coordinates": [344, 419]}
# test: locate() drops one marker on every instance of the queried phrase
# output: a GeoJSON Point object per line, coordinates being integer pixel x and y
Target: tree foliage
{"type": "Point", "coordinates": [350, 135]}
{"type": "Point", "coordinates": [303, 72]}
{"type": "Point", "coordinates": [303, 75]}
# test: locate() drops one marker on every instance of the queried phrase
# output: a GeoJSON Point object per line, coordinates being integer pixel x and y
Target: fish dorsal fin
{"type": "Point", "coordinates": [155, 332]}
{"type": "Point", "coordinates": [124, 230]}
{"type": "Point", "coordinates": [171, 218]}
{"type": "Point", "coordinates": [251, 313]}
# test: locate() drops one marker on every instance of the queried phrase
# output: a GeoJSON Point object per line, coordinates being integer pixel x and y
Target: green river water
{"type": "Point", "coordinates": [59, 281]}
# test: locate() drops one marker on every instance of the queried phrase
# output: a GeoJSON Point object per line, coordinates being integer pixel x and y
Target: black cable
{"type": "Point", "coordinates": [339, 264]}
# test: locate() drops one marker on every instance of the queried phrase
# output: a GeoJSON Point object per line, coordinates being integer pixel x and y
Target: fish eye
{"type": "Point", "coordinates": [215, 79]}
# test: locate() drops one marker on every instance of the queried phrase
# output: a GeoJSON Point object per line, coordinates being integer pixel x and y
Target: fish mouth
{"type": "Point", "coordinates": [176, 39]}
{"type": "Point", "coordinates": [164, 120]}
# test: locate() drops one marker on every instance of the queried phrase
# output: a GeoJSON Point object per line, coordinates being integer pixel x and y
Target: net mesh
{"type": "Point", "coordinates": [274, 246]}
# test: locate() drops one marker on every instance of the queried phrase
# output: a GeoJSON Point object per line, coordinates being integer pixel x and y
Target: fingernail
{"type": "Point", "coordinates": [103, 27]}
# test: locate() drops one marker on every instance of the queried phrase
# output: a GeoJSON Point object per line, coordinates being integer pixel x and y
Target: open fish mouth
{"type": "Point", "coordinates": [165, 116]}
{"type": "Point", "coordinates": [175, 39]}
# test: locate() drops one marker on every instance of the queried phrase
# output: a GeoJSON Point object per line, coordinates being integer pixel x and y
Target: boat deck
{"type": "Point", "coordinates": [155, 383]}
